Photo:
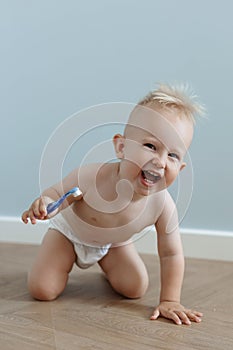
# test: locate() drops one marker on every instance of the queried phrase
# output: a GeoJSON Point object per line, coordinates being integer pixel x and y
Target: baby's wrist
{"type": "Point", "coordinates": [170, 301]}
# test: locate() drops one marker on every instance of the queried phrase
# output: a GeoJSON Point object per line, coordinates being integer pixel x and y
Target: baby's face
{"type": "Point", "coordinates": [153, 148]}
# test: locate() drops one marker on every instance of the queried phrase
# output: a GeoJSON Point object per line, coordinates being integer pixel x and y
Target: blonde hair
{"type": "Point", "coordinates": [175, 96]}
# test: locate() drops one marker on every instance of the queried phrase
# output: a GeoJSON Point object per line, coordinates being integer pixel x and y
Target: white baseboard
{"type": "Point", "coordinates": [205, 244]}
{"type": "Point", "coordinates": [202, 244]}
{"type": "Point", "coordinates": [12, 229]}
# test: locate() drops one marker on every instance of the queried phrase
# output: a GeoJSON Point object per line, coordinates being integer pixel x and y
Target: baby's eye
{"type": "Point", "coordinates": [150, 145]}
{"type": "Point", "coordinates": [174, 155]}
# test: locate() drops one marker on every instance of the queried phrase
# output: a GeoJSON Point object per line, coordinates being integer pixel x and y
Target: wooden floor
{"type": "Point", "coordinates": [89, 315]}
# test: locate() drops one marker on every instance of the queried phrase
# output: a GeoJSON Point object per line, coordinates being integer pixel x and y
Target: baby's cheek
{"type": "Point", "coordinates": [136, 159]}
{"type": "Point", "coordinates": [171, 176]}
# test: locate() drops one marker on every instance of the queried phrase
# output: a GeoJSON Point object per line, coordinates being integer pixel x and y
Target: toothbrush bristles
{"type": "Point", "coordinates": [77, 192]}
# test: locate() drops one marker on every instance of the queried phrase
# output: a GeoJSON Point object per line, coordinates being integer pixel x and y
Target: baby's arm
{"type": "Point", "coordinates": [38, 211]}
{"type": "Point", "coordinates": [171, 268]}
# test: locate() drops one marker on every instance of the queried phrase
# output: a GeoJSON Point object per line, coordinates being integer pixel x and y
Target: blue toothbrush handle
{"type": "Point", "coordinates": [54, 205]}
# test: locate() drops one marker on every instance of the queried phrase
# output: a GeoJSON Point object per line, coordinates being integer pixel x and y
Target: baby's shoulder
{"type": "Point", "coordinates": [162, 197]}
{"type": "Point", "coordinates": [169, 203]}
{"type": "Point", "coordinates": [88, 169]}
{"type": "Point", "coordinates": [162, 202]}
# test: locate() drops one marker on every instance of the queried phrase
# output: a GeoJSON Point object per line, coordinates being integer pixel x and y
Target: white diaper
{"type": "Point", "coordinates": [86, 255]}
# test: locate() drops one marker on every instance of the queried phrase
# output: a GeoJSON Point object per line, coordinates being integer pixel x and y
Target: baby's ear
{"type": "Point", "coordinates": [183, 165]}
{"type": "Point", "coordinates": [119, 143]}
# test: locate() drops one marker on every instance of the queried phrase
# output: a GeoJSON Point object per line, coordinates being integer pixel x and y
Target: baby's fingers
{"type": "Point", "coordinates": [194, 315]}
{"type": "Point", "coordinates": [42, 209]}
{"type": "Point", "coordinates": [28, 214]}
{"type": "Point", "coordinates": [155, 314]}
{"type": "Point", "coordinates": [174, 317]}
{"type": "Point", "coordinates": [183, 317]}
{"type": "Point", "coordinates": [25, 216]}
{"type": "Point", "coordinates": [38, 210]}
{"type": "Point", "coordinates": [197, 313]}
{"type": "Point", "coordinates": [32, 216]}
{"type": "Point", "coordinates": [35, 208]}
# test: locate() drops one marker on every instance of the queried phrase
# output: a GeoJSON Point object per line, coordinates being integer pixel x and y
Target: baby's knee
{"type": "Point", "coordinates": [132, 287]}
{"type": "Point", "coordinates": [43, 291]}
{"type": "Point", "coordinates": [137, 288]}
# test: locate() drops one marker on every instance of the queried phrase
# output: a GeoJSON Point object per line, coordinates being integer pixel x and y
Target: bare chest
{"type": "Point", "coordinates": [131, 217]}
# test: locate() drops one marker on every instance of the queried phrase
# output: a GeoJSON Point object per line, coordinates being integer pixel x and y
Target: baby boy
{"type": "Point", "coordinates": [119, 199]}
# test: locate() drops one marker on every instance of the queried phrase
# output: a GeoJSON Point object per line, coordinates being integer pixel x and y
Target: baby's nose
{"type": "Point", "coordinates": [159, 162]}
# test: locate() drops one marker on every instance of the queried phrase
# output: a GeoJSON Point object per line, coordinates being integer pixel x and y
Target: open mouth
{"type": "Point", "coordinates": [150, 177]}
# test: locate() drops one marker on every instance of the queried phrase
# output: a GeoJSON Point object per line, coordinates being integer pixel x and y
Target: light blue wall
{"type": "Point", "coordinates": [58, 57]}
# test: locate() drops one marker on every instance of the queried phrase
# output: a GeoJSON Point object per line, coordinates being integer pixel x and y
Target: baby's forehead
{"type": "Point", "coordinates": [168, 126]}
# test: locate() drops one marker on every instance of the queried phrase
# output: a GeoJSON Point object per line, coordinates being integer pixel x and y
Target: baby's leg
{"type": "Point", "coordinates": [49, 274]}
{"type": "Point", "coordinates": [125, 271]}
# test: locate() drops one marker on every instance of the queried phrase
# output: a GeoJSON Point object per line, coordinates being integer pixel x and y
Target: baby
{"type": "Point", "coordinates": [119, 200]}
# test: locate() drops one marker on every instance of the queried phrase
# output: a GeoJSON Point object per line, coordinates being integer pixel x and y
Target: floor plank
{"type": "Point", "coordinates": [89, 315]}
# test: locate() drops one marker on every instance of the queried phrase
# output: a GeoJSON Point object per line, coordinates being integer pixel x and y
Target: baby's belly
{"type": "Point", "coordinates": [91, 234]}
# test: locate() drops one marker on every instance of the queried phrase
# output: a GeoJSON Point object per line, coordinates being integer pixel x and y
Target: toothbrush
{"type": "Point", "coordinates": [75, 192]}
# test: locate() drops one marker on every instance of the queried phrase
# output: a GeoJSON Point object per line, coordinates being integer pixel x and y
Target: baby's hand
{"type": "Point", "coordinates": [176, 312]}
{"type": "Point", "coordinates": [37, 210]}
